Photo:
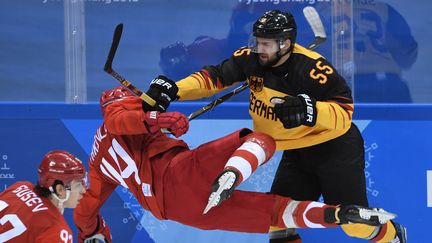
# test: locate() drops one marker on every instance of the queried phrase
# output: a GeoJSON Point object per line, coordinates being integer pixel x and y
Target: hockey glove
{"type": "Point", "coordinates": [175, 122]}
{"type": "Point", "coordinates": [163, 90]}
{"type": "Point", "coordinates": [294, 111]}
{"type": "Point", "coordinates": [102, 232]}
{"type": "Point", "coordinates": [98, 238]}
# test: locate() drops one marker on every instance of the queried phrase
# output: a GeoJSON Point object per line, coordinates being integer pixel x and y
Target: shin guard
{"type": "Point", "coordinates": [256, 150]}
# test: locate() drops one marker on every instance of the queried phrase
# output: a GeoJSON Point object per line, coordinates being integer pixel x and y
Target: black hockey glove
{"type": "Point", "coordinates": [163, 90]}
{"type": "Point", "coordinates": [294, 111]}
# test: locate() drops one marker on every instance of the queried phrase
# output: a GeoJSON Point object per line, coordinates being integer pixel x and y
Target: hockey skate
{"type": "Point", "coordinates": [351, 214]}
{"type": "Point", "coordinates": [222, 188]}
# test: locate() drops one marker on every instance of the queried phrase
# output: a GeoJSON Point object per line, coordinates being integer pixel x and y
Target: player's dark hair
{"type": "Point", "coordinates": [45, 192]}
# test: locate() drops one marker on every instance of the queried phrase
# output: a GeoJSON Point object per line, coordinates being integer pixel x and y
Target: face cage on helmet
{"type": "Point", "coordinates": [262, 47]}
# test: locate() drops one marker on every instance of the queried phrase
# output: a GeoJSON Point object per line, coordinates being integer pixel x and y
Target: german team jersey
{"type": "Point", "coordinates": [305, 72]}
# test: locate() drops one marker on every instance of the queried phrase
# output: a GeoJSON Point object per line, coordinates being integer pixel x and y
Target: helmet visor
{"type": "Point", "coordinates": [264, 45]}
{"type": "Point", "coordinates": [83, 182]}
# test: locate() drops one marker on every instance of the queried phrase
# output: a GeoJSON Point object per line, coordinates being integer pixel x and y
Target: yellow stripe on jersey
{"type": "Point", "coordinates": [195, 87]}
{"type": "Point", "coordinates": [302, 50]}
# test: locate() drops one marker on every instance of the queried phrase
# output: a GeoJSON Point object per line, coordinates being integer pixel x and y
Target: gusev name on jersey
{"type": "Point", "coordinates": [305, 72]}
{"type": "Point", "coordinates": [26, 217]}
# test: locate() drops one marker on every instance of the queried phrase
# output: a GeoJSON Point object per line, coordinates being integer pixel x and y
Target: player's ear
{"type": "Point", "coordinates": [287, 43]}
{"type": "Point", "coordinates": [60, 190]}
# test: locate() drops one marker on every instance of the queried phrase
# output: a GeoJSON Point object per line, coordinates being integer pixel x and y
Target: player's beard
{"type": "Point", "coordinates": [267, 60]}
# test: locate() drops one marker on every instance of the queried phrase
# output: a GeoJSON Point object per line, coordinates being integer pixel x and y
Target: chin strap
{"type": "Point", "coordinates": [60, 201]}
{"type": "Point", "coordinates": [279, 55]}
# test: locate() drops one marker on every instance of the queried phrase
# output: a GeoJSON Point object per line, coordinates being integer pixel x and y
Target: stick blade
{"type": "Point", "coordinates": [115, 43]}
{"type": "Point", "coordinates": [318, 40]}
{"type": "Point", "coordinates": [314, 21]}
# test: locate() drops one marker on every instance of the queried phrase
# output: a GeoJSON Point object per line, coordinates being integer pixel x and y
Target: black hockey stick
{"type": "Point", "coordinates": [217, 101]}
{"type": "Point", "coordinates": [317, 27]}
{"type": "Point", "coordinates": [108, 68]}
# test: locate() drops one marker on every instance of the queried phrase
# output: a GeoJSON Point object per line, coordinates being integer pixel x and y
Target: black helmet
{"type": "Point", "coordinates": [275, 24]}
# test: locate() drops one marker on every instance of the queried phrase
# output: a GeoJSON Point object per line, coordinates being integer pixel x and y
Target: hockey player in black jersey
{"type": "Point", "coordinates": [298, 98]}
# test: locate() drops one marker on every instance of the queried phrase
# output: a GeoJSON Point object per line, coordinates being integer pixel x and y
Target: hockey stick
{"type": "Point", "coordinates": [108, 68]}
{"type": "Point", "coordinates": [316, 25]}
{"type": "Point", "coordinates": [320, 36]}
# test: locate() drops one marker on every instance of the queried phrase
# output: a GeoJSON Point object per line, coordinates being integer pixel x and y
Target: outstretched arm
{"type": "Point", "coordinates": [213, 79]}
{"type": "Point", "coordinates": [128, 115]}
{"type": "Point", "coordinates": [87, 214]}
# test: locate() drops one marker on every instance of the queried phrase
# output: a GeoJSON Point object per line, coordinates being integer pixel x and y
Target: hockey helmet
{"type": "Point", "coordinates": [63, 166]}
{"type": "Point", "coordinates": [275, 24]}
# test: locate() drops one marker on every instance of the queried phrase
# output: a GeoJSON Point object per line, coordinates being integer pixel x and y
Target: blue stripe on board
{"type": "Point", "coordinates": [230, 110]}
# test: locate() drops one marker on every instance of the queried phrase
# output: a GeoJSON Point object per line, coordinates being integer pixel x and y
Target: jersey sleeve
{"type": "Point", "coordinates": [334, 100]}
{"type": "Point", "coordinates": [213, 79]}
{"type": "Point", "coordinates": [87, 215]}
{"type": "Point", "coordinates": [125, 117]}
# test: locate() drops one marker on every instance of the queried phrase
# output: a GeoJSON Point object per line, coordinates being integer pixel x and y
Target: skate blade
{"type": "Point", "coordinates": [383, 216]}
{"type": "Point", "coordinates": [226, 181]}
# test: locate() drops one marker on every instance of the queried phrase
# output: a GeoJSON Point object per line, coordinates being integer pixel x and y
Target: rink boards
{"type": "Point", "coordinates": [398, 164]}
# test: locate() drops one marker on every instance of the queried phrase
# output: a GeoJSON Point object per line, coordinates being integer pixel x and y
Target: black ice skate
{"type": "Point", "coordinates": [351, 214]}
{"type": "Point", "coordinates": [222, 188]}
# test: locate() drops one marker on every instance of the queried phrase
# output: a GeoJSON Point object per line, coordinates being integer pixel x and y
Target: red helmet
{"type": "Point", "coordinates": [110, 96]}
{"type": "Point", "coordinates": [60, 165]}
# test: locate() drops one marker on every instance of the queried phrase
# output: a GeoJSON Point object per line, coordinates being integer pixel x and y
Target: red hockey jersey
{"type": "Point", "coordinates": [122, 150]}
{"type": "Point", "coordinates": [26, 217]}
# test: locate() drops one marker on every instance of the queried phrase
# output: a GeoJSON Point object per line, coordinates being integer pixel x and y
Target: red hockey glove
{"type": "Point", "coordinates": [102, 232]}
{"type": "Point", "coordinates": [175, 122]}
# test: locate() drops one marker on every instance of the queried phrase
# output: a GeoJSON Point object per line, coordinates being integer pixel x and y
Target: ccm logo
{"type": "Point", "coordinates": [161, 83]}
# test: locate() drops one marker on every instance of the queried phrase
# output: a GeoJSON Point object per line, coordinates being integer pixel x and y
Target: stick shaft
{"type": "Point", "coordinates": [108, 68]}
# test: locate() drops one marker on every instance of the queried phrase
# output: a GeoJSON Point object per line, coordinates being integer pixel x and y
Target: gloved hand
{"type": "Point", "coordinates": [98, 238]}
{"type": "Point", "coordinates": [294, 111]}
{"type": "Point", "coordinates": [163, 90]}
{"type": "Point", "coordinates": [175, 122]}
{"type": "Point", "coordinates": [101, 234]}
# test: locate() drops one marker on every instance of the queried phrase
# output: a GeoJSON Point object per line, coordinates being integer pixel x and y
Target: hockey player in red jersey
{"type": "Point", "coordinates": [174, 182]}
{"type": "Point", "coordinates": [30, 213]}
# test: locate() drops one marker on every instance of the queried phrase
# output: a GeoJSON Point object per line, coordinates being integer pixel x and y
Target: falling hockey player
{"type": "Point", "coordinates": [173, 182]}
